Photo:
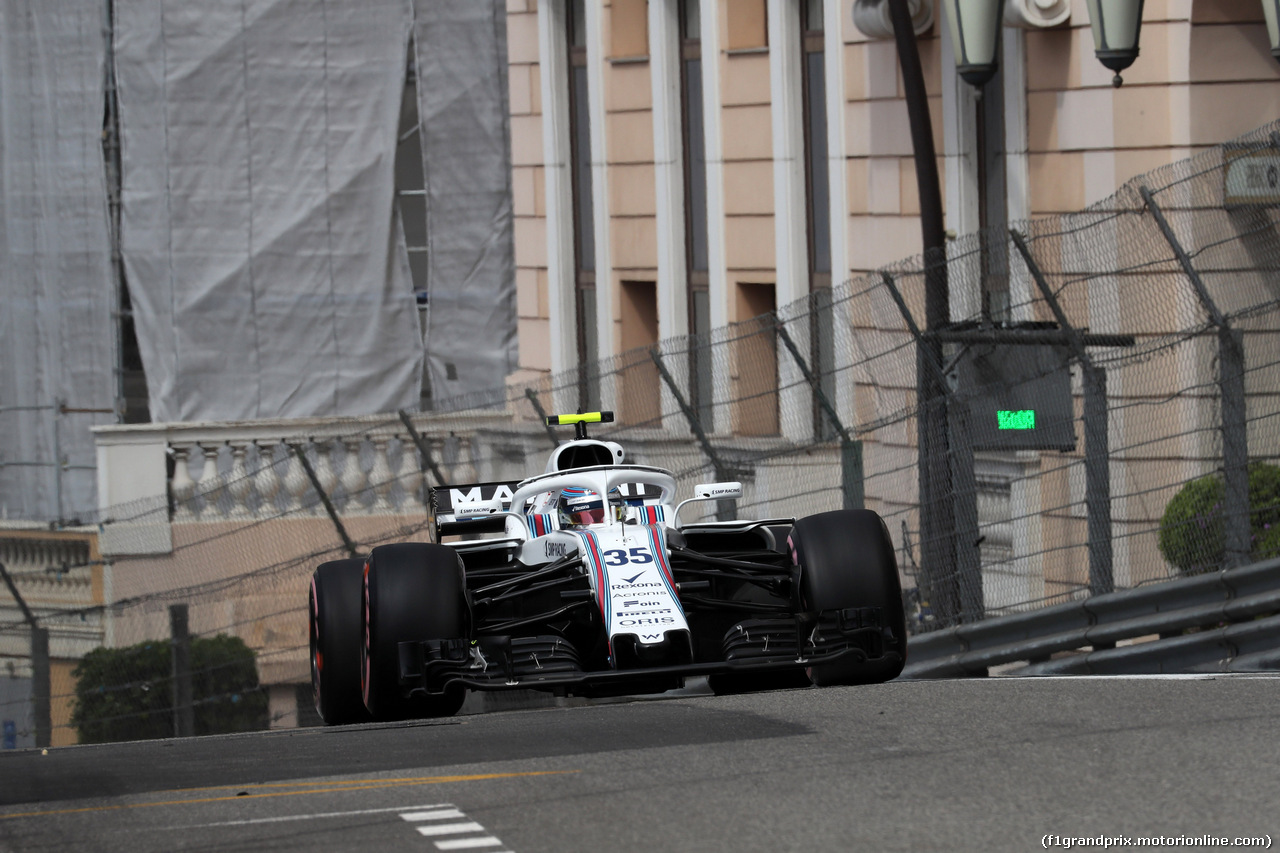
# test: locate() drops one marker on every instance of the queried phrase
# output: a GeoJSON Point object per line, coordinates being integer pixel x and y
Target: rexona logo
{"type": "Point", "coordinates": [633, 586]}
{"type": "Point", "coordinates": [632, 579]}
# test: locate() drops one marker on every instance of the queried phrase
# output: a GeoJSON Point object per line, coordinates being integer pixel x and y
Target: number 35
{"type": "Point", "coordinates": [619, 557]}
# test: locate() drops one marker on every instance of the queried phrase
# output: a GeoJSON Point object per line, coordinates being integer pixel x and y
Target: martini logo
{"type": "Point", "coordinates": [475, 495]}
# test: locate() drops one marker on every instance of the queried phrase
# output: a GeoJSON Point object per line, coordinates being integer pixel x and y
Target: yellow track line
{"type": "Point", "coordinates": [366, 785]}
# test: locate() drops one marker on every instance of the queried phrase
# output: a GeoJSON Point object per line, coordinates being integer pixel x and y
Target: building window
{"type": "Point", "coordinates": [748, 25]}
{"type": "Point", "coordinates": [640, 392]}
{"type": "Point", "coordinates": [629, 29]}
{"type": "Point", "coordinates": [817, 206]}
{"type": "Point", "coordinates": [693, 141]}
{"type": "Point", "coordinates": [817, 188]}
{"type": "Point", "coordinates": [584, 246]}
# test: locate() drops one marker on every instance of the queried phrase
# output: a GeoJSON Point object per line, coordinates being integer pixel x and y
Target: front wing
{"type": "Point", "coordinates": [852, 636]}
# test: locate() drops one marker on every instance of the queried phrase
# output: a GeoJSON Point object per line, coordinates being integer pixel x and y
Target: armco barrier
{"type": "Point", "coordinates": [1225, 606]}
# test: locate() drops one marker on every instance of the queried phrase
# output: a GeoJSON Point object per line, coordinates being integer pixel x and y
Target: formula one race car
{"type": "Point", "coordinates": [583, 581]}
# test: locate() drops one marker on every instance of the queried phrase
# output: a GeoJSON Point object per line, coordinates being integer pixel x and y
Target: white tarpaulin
{"type": "Point", "coordinates": [57, 333]}
{"type": "Point", "coordinates": [263, 252]}
{"type": "Point", "coordinates": [462, 100]}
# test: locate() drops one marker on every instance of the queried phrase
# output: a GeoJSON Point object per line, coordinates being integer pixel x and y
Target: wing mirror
{"type": "Point", "coordinates": [709, 492]}
{"type": "Point", "coordinates": [717, 491]}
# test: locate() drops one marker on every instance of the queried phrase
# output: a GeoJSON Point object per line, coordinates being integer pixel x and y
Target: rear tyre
{"type": "Point", "coordinates": [846, 559]}
{"type": "Point", "coordinates": [335, 641]}
{"type": "Point", "coordinates": [412, 592]}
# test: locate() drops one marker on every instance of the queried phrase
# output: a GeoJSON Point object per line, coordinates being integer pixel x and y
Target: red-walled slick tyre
{"type": "Point", "coordinates": [412, 592]}
{"type": "Point", "coordinates": [335, 641]}
{"type": "Point", "coordinates": [846, 560]}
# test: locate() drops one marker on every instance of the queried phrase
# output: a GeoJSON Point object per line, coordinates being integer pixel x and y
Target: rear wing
{"type": "Point", "coordinates": [446, 501]}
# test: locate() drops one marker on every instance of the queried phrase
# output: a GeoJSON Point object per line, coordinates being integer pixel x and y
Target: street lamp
{"type": "Point", "coordinates": [975, 31]}
{"type": "Point", "coordinates": [1116, 25]}
{"type": "Point", "coordinates": [1271, 10]}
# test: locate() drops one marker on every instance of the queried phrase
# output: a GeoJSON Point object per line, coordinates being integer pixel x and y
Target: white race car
{"type": "Point", "coordinates": [583, 581]}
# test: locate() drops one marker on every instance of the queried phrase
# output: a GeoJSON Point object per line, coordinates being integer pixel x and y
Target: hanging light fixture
{"type": "Point", "coordinates": [975, 32]}
{"type": "Point", "coordinates": [1116, 25]}
{"type": "Point", "coordinates": [1271, 11]}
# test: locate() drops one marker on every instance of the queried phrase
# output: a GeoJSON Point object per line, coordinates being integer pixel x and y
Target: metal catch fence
{"type": "Point", "coordinates": [1107, 416]}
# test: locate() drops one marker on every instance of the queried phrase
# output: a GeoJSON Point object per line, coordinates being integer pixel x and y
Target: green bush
{"type": "Point", "coordinates": [1192, 536]}
{"type": "Point", "coordinates": [127, 693]}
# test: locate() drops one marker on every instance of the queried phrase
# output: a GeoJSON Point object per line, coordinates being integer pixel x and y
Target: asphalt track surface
{"type": "Point", "coordinates": [943, 765]}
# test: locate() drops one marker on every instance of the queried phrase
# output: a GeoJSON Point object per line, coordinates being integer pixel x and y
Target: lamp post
{"type": "Point", "coordinates": [937, 516]}
{"type": "Point", "coordinates": [975, 32]}
{"type": "Point", "coordinates": [1271, 11]}
{"type": "Point", "coordinates": [1116, 25]}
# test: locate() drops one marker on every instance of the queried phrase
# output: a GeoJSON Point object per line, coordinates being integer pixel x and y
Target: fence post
{"type": "Point", "coordinates": [542, 415]}
{"type": "Point", "coordinates": [851, 485]}
{"type": "Point", "coordinates": [347, 542]}
{"type": "Point", "coordinates": [1235, 448]}
{"type": "Point", "coordinates": [852, 488]}
{"type": "Point", "coordinates": [1097, 463]}
{"type": "Point", "coordinates": [184, 722]}
{"type": "Point", "coordinates": [948, 492]}
{"type": "Point", "coordinates": [428, 461]}
{"type": "Point", "coordinates": [964, 494]}
{"type": "Point", "coordinates": [1097, 479]}
{"type": "Point", "coordinates": [41, 691]}
{"type": "Point", "coordinates": [1235, 437]}
{"type": "Point", "coordinates": [725, 510]}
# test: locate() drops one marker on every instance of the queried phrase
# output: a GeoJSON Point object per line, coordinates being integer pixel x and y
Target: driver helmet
{"type": "Point", "coordinates": [583, 507]}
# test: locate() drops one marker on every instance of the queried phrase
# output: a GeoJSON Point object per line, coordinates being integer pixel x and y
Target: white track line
{"type": "Point", "coordinates": [461, 825]}
{"type": "Point", "coordinates": [468, 843]}
{"type": "Point", "coordinates": [310, 816]}
{"type": "Point", "coordinates": [435, 815]}
{"type": "Point", "coordinates": [450, 828]}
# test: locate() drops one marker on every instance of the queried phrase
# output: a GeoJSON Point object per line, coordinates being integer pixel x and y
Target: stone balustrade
{"type": "Point", "coordinates": [153, 475]}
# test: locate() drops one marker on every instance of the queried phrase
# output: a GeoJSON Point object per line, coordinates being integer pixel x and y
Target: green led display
{"type": "Point", "coordinates": [1022, 419]}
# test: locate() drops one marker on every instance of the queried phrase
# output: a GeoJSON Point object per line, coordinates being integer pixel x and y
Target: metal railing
{"type": "Point", "coordinates": [1224, 621]}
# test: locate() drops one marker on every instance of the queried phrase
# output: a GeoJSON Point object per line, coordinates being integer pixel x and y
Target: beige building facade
{"type": "Point", "coordinates": [682, 165]}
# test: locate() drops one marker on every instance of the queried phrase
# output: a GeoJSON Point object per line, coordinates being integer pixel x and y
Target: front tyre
{"type": "Point", "coordinates": [412, 592]}
{"type": "Point", "coordinates": [334, 609]}
{"type": "Point", "coordinates": [845, 560]}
